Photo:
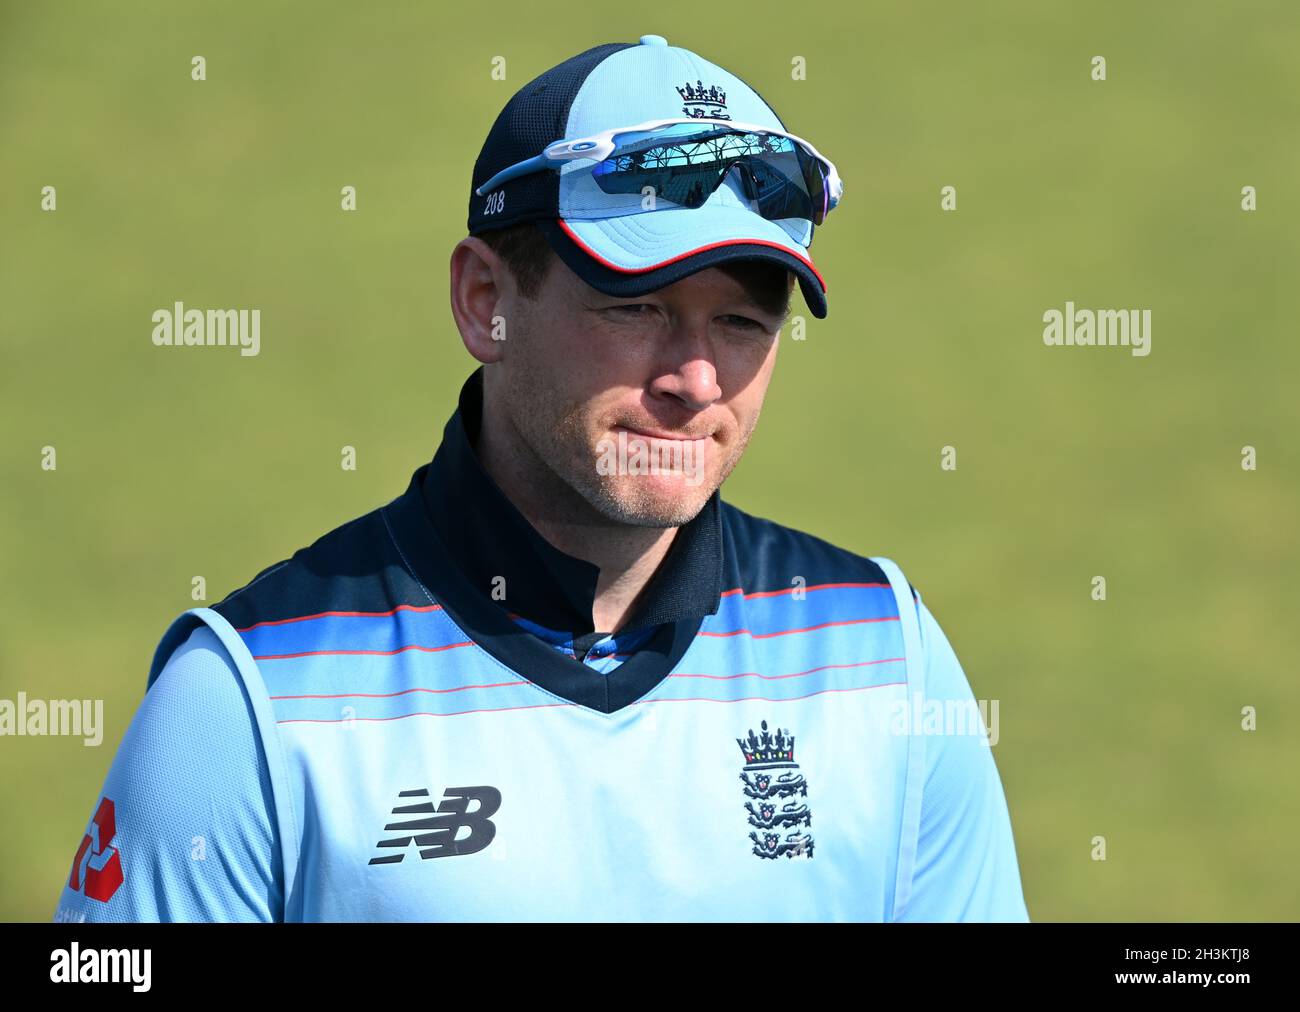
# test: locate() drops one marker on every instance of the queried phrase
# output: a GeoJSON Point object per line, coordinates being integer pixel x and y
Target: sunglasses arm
{"type": "Point", "coordinates": [596, 147]}
{"type": "Point", "coordinates": [834, 187]}
{"type": "Point", "coordinates": [524, 168]}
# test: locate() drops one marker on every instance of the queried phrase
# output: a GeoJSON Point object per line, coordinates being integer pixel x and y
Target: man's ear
{"type": "Point", "coordinates": [481, 288]}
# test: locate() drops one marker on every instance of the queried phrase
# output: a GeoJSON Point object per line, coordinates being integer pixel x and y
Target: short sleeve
{"type": "Point", "coordinates": [966, 867]}
{"type": "Point", "coordinates": [185, 827]}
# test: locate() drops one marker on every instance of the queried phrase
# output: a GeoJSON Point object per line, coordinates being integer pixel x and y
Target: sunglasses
{"type": "Point", "coordinates": [683, 161]}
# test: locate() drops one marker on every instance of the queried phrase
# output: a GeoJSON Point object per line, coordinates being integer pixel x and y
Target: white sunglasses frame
{"type": "Point", "coordinates": [600, 146]}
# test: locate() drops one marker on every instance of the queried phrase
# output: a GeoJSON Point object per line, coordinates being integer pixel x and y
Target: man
{"type": "Point", "coordinates": [558, 678]}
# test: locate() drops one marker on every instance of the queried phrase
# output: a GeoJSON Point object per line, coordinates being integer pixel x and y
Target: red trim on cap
{"type": "Point", "coordinates": [689, 253]}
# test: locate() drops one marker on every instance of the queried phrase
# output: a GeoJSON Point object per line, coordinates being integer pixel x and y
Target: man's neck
{"type": "Point", "coordinates": [626, 555]}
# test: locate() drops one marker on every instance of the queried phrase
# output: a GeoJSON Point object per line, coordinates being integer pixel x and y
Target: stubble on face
{"type": "Point", "coordinates": [669, 500]}
{"type": "Point", "coordinates": [563, 418]}
{"type": "Point", "coordinates": [565, 441]}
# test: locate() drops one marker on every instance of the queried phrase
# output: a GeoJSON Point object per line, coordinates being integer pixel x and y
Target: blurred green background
{"type": "Point", "coordinates": [1118, 719]}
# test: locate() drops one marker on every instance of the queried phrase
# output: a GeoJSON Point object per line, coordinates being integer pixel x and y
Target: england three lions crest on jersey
{"type": "Point", "coordinates": [776, 791]}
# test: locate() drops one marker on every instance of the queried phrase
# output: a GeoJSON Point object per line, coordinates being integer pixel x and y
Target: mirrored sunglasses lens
{"type": "Point", "coordinates": [684, 163]}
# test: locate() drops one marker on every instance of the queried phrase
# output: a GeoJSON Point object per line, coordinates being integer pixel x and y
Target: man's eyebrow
{"type": "Point", "coordinates": [768, 306]}
{"type": "Point", "coordinates": [772, 301]}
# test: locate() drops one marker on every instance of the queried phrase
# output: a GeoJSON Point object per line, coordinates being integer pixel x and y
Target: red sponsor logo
{"type": "Point", "coordinates": [97, 868]}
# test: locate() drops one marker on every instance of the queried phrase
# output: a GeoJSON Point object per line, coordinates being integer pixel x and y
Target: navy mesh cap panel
{"type": "Point", "coordinates": [535, 116]}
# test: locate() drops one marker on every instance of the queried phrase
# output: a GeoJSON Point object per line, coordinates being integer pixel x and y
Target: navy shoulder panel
{"type": "Point", "coordinates": [763, 555]}
{"type": "Point", "coordinates": [353, 568]}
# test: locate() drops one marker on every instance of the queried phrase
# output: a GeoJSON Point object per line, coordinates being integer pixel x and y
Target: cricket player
{"type": "Point", "coordinates": [558, 678]}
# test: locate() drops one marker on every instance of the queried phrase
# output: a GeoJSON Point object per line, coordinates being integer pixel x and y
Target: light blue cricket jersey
{"type": "Point", "coordinates": [409, 720]}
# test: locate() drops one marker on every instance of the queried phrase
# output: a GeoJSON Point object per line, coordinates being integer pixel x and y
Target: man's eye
{"type": "Point", "coordinates": [635, 310]}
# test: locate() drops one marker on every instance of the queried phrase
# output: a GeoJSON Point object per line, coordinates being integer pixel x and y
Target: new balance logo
{"type": "Point", "coordinates": [435, 833]}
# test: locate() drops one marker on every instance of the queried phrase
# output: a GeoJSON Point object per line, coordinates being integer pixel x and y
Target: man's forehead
{"type": "Point", "coordinates": [763, 283]}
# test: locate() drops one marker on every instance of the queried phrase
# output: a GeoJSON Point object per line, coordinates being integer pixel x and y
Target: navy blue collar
{"type": "Point", "coordinates": [464, 539]}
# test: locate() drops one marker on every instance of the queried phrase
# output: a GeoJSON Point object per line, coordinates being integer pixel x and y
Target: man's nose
{"type": "Point", "coordinates": [692, 381]}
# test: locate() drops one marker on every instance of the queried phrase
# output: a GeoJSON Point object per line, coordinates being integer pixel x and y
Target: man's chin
{"type": "Point", "coordinates": [660, 500]}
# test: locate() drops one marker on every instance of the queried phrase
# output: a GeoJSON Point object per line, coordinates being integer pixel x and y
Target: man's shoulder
{"type": "Point", "coordinates": [768, 552]}
{"type": "Point", "coordinates": [355, 567]}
